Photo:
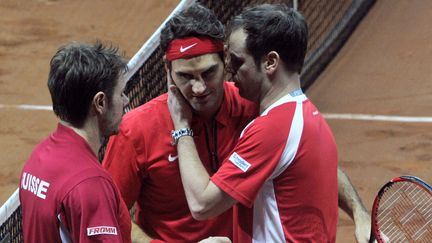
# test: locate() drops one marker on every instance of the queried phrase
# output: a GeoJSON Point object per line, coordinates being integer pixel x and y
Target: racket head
{"type": "Point", "coordinates": [402, 211]}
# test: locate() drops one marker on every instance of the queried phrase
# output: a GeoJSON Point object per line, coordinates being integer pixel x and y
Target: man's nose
{"type": "Point", "coordinates": [198, 86]}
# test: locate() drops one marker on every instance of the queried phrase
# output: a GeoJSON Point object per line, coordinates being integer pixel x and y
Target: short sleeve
{"type": "Point", "coordinates": [91, 211]}
{"type": "Point", "coordinates": [251, 163]}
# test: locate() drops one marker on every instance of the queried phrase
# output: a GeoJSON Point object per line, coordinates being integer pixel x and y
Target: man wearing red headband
{"type": "Point", "coordinates": [143, 158]}
{"type": "Point", "coordinates": [281, 176]}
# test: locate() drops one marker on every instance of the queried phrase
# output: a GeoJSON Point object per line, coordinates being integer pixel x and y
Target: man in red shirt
{"type": "Point", "coordinates": [281, 176]}
{"type": "Point", "coordinates": [142, 159]}
{"type": "Point", "coordinates": [65, 194]}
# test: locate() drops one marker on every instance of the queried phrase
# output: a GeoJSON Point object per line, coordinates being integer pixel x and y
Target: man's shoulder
{"type": "Point", "coordinates": [147, 113]}
{"type": "Point", "coordinates": [87, 178]}
{"type": "Point", "coordinates": [267, 127]}
{"type": "Point", "coordinates": [231, 89]}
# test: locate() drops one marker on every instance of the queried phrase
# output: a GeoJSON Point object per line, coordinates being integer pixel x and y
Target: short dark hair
{"type": "Point", "coordinates": [274, 27]}
{"type": "Point", "coordinates": [196, 20]}
{"type": "Point", "coordinates": [77, 73]}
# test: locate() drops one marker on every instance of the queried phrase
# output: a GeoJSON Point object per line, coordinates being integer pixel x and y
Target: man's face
{"type": "Point", "coordinates": [111, 120]}
{"type": "Point", "coordinates": [200, 80]}
{"type": "Point", "coordinates": [241, 65]}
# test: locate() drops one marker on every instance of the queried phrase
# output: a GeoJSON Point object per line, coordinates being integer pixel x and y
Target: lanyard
{"type": "Point", "coordinates": [213, 156]}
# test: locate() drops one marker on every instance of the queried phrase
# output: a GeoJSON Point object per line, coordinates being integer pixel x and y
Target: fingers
{"type": "Point", "coordinates": [169, 80]}
{"type": "Point", "coordinates": [172, 88]}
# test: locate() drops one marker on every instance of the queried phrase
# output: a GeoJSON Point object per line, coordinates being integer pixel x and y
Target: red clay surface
{"type": "Point", "coordinates": [384, 69]}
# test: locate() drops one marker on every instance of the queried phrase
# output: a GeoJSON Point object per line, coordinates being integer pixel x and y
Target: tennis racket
{"type": "Point", "coordinates": [402, 211]}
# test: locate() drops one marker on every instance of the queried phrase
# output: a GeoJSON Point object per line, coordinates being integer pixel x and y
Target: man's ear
{"type": "Point", "coordinates": [165, 64]}
{"type": "Point", "coordinates": [271, 62]}
{"type": "Point", "coordinates": [99, 103]}
{"type": "Point", "coordinates": [225, 51]}
{"type": "Point", "coordinates": [225, 55]}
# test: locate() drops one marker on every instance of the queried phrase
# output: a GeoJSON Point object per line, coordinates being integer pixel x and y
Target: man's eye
{"type": "Point", "coordinates": [209, 73]}
{"type": "Point", "coordinates": [235, 63]}
{"type": "Point", "coordinates": [186, 76]}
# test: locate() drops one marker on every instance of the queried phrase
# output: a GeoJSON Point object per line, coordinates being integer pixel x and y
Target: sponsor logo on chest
{"type": "Point", "coordinates": [34, 185]}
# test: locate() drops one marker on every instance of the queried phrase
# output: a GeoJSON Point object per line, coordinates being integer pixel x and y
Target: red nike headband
{"type": "Point", "coordinates": [191, 47]}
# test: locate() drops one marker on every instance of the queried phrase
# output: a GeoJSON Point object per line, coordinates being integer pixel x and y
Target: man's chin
{"type": "Point", "coordinates": [200, 108]}
{"type": "Point", "coordinates": [109, 132]}
{"type": "Point", "coordinates": [115, 131]}
{"type": "Point", "coordinates": [248, 96]}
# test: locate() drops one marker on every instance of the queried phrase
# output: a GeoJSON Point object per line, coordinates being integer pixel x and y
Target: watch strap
{"type": "Point", "coordinates": [177, 134]}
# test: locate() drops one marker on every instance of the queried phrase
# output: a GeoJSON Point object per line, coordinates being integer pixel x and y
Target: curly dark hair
{"type": "Point", "coordinates": [196, 20]}
{"type": "Point", "coordinates": [274, 27]}
{"type": "Point", "coordinates": [77, 73]}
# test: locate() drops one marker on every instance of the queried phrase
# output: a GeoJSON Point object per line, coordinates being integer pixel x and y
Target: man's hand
{"type": "Point", "coordinates": [216, 239]}
{"type": "Point", "coordinates": [362, 222]}
{"type": "Point", "coordinates": [181, 113]}
{"type": "Point", "coordinates": [138, 236]}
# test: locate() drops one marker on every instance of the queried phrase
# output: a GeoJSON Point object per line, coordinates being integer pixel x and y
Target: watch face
{"type": "Point", "coordinates": [175, 135]}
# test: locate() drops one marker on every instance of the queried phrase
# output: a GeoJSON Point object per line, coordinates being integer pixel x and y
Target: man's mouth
{"type": "Point", "coordinates": [202, 98]}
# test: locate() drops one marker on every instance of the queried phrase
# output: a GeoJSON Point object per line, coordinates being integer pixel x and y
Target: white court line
{"type": "Point", "coordinates": [27, 107]}
{"type": "Point", "coordinates": [330, 116]}
{"type": "Point", "coordinates": [365, 117]}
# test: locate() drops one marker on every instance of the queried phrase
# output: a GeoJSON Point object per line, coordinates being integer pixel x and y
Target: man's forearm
{"type": "Point", "coordinates": [204, 198]}
{"type": "Point", "coordinates": [194, 176]}
{"type": "Point", "coordinates": [349, 200]}
{"type": "Point", "coordinates": [351, 203]}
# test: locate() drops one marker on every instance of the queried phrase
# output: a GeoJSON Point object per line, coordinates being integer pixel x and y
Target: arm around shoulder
{"type": "Point", "coordinates": [205, 199]}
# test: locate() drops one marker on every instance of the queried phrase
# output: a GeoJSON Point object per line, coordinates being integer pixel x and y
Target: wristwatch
{"type": "Point", "coordinates": [177, 134]}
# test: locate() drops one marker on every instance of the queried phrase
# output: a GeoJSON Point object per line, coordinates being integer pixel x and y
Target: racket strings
{"type": "Point", "coordinates": [405, 228]}
{"type": "Point", "coordinates": [393, 196]}
{"type": "Point", "coordinates": [405, 213]}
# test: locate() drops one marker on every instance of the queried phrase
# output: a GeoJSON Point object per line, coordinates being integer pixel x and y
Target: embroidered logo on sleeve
{"type": "Point", "coordinates": [102, 230]}
{"type": "Point", "coordinates": [239, 162]}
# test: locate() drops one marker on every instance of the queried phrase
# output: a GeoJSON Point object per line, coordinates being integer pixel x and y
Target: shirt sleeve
{"type": "Point", "coordinates": [252, 162]}
{"type": "Point", "coordinates": [120, 161]}
{"type": "Point", "coordinates": [91, 211]}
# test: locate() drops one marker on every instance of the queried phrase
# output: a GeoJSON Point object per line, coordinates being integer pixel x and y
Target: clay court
{"type": "Point", "coordinates": [384, 69]}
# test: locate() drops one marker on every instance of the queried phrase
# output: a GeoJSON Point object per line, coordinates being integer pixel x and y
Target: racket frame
{"type": "Point", "coordinates": [375, 231]}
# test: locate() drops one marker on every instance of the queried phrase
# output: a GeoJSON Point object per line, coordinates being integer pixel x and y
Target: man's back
{"type": "Point", "coordinates": [61, 190]}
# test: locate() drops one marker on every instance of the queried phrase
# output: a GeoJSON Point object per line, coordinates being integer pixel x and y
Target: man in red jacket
{"type": "Point", "coordinates": [65, 194]}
